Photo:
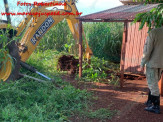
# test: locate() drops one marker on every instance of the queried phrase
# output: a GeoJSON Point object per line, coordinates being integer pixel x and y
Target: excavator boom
{"type": "Point", "coordinates": [35, 26]}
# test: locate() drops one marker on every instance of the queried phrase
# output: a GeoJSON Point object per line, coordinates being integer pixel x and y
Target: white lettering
{"type": "Point", "coordinates": [37, 36]}
{"type": "Point", "coordinates": [33, 40]}
{"type": "Point", "coordinates": [43, 28]}
{"type": "Point", "coordinates": [50, 20]}
{"type": "Point", "coordinates": [47, 24]}
{"type": "Point", "coordinates": [40, 32]}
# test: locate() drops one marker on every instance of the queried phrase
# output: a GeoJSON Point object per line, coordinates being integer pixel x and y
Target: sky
{"type": "Point", "coordinates": [84, 6]}
{"type": "Point", "coordinates": [92, 6]}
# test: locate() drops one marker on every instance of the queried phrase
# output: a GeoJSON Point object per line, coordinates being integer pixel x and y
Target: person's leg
{"type": "Point", "coordinates": [153, 76]}
{"type": "Point", "coordinates": [148, 103]}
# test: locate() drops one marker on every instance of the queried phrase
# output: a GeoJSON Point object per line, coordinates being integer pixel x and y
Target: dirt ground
{"type": "Point", "coordinates": [129, 101]}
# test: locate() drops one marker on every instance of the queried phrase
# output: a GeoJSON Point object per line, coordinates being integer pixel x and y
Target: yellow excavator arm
{"type": "Point", "coordinates": [40, 25]}
{"type": "Point", "coordinates": [33, 29]}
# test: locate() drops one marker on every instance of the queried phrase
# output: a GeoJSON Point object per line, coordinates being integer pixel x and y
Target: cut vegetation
{"type": "Point", "coordinates": [28, 100]}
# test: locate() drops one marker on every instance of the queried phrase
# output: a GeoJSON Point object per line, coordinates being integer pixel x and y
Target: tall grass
{"type": "Point", "coordinates": [58, 38]}
{"type": "Point", "coordinates": [31, 101]}
{"type": "Point", "coordinates": [104, 39]}
{"type": "Point", "coordinates": [28, 100]}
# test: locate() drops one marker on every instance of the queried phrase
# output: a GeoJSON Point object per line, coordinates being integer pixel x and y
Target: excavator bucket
{"type": "Point", "coordinates": [88, 52]}
{"type": "Point", "coordinates": [9, 60]}
{"type": "Point", "coordinates": [5, 67]}
{"type": "Point", "coordinates": [74, 27]}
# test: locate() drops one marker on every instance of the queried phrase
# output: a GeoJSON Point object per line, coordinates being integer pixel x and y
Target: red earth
{"type": "Point", "coordinates": [128, 101]}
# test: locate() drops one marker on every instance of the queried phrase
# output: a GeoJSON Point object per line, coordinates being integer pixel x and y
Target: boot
{"type": "Point", "coordinates": [148, 103]}
{"type": "Point", "coordinates": [155, 108]}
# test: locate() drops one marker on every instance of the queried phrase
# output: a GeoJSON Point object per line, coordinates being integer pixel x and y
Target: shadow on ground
{"type": "Point", "coordinates": [128, 101]}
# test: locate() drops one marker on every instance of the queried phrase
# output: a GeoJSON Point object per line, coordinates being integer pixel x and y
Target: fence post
{"type": "Point", "coordinates": [161, 85]}
{"type": "Point", "coordinates": [7, 11]}
{"type": "Point", "coordinates": [80, 49]}
{"type": "Point", "coordinates": [123, 50]}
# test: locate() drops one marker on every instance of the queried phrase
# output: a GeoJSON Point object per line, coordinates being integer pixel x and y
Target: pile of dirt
{"type": "Point", "coordinates": [68, 63]}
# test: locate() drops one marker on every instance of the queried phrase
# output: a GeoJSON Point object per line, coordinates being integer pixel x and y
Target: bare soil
{"type": "Point", "coordinates": [128, 101]}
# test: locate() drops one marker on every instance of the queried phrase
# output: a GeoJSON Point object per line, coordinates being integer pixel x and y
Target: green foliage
{"type": "Point", "coordinates": [102, 113]}
{"type": "Point", "coordinates": [58, 38]}
{"type": "Point", "coordinates": [96, 71]}
{"type": "Point", "coordinates": [154, 1]}
{"type": "Point", "coordinates": [114, 79]}
{"type": "Point", "coordinates": [99, 70]}
{"type": "Point", "coordinates": [28, 100]}
{"type": "Point", "coordinates": [153, 18]}
{"type": "Point", "coordinates": [4, 52]}
{"type": "Point", "coordinates": [105, 39]}
{"type": "Point", "coordinates": [46, 61]}
{"type": "Point", "coordinates": [148, 1]}
{"type": "Point", "coordinates": [43, 101]}
{"type": "Point", "coordinates": [31, 101]}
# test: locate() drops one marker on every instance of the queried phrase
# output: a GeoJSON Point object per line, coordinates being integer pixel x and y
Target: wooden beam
{"type": "Point", "coordinates": [103, 20]}
{"type": "Point", "coordinates": [123, 50]}
{"type": "Point", "coordinates": [161, 85]}
{"type": "Point", "coordinates": [7, 11]}
{"type": "Point", "coordinates": [80, 49]}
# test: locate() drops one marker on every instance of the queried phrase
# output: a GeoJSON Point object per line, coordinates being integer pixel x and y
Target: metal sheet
{"type": "Point", "coordinates": [124, 12]}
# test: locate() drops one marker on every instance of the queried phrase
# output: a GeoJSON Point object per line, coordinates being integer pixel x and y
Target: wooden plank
{"type": "Point", "coordinates": [127, 55]}
{"type": "Point", "coordinates": [141, 48]}
{"type": "Point", "coordinates": [136, 58]}
{"type": "Point", "coordinates": [123, 50]}
{"type": "Point", "coordinates": [130, 73]}
{"type": "Point", "coordinates": [135, 53]}
{"type": "Point", "coordinates": [133, 48]}
{"type": "Point", "coordinates": [103, 20]}
{"type": "Point", "coordinates": [138, 49]}
{"type": "Point", "coordinates": [129, 41]}
{"type": "Point", "coordinates": [80, 49]}
{"type": "Point", "coordinates": [144, 36]}
{"type": "Point", "coordinates": [131, 45]}
{"type": "Point", "coordinates": [161, 85]}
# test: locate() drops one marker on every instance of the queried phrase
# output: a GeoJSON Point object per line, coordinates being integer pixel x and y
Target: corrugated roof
{"type": "Point", "coordinates": [124, 12]}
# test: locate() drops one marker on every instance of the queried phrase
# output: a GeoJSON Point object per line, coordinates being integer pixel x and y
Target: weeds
{"type": "Point", "coordinates": [31, 101]}
{"type": "Point", "coordinates": [28, 100]}
{"type": "Point", "coordinates": [104, 39]}
{"type": "Point", "coordinates": [102, 113]}
{"type": "Point", "coordinates": [100, 70]}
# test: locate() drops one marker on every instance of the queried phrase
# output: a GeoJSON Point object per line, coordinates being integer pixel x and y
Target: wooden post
{"type": "Point", "coordinates": [161, 85]}
{"type": "Point", "coordinates": [7, 11]}
{"type": "Point", "coordinates": [80, 48]}
{"type": "Point", "coordinates": [123, 50]}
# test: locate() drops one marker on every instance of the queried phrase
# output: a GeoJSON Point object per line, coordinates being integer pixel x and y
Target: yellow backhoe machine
{"type": "Point", "coordinates": [33, 28]}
